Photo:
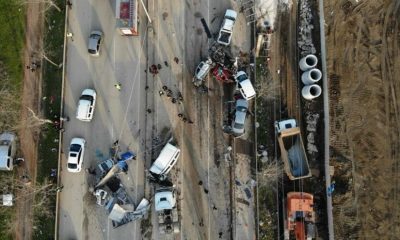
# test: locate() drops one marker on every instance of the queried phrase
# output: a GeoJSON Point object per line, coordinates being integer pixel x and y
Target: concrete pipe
{"type": "Point", "coordinates": [308, 62]}
{"type": "Point", "coordinates": [311, 91]}
{"type": "Point", "coordinates": [311, 76]}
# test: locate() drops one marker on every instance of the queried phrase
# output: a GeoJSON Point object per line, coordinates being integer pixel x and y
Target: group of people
{"type": "Point", "coordinates": [33, 66]}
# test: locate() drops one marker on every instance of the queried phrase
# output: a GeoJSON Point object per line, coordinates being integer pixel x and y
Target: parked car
{"type": "Point", "coordinates": [86, 105]}
{"type": "Point", "coordinates": [244, 85]}
{"type": "Point", "coordinates": [7, 151]}
{"type": "Point", "coordinates": [240, 117]}
{"type": "Point", "coordinates": [75, 155]}
{"type": "Point", "coordinates": [95, 40]}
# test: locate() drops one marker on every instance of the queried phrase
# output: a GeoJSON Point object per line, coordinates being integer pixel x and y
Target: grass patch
{"type": "Point", "coordinates": [48, 146]}
{"type": "Point", "coordinates": [267, 211]}
{"type": "Point", "coordinates": [12, 27]}
{"type": "Point", "coordinates": [12, 39]}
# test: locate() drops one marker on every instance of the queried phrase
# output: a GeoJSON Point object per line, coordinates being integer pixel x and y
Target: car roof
{"type": "Point", "coordinates": [93, 44]}
{"type": "Point", "coordinates": [231, 13]}
{"type": "Point", "coordinates": [83, 107]}
{"type": "Point", "coordinates": [3, 155]}
{"type": "Point", "coordinates": [228, 24]}
{"type": "Point", "coordinates": [248, 88]}
{"type": "Point", "coordinates": [202, 69]}
{"type": "Point", "coordinates": [242, 103]}
{"type": "Point", "coordinates": [164, 158]}
{"type": "Point", "coordinates": [240, 117]}
{"type": "Point", "coordinates": [166, 204]}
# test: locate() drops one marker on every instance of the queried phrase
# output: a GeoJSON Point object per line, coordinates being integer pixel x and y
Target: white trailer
{"type": "Point", "coordinates": [7, 151]}
{"type": "Point", "coordinates": [127, 17]}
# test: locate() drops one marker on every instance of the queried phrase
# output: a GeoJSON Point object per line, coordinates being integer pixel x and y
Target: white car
{"type": "Point", "coordinates": [240, 117]}
{"type": "Point", "coordinates": [86, 105]}
{"type": "Point", "coordinates": [95, 40]}
{"type": "Point", "coordinates": [245, 86]}
{"type": "Point", "coordinates": [75, 155]}
{"type": "Point", "coordinates": [201, 72]}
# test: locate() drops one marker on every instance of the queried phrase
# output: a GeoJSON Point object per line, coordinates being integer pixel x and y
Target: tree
{"type": "Point", "coordinates": [48, 3]}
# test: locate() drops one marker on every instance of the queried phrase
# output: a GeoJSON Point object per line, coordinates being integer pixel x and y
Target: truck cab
{"type": "Point", "coordinates": [7, 151]}
{"type": "Point", "coordinates": [225, 33]}
{"type": "Point", "coordinates": [166, 207]}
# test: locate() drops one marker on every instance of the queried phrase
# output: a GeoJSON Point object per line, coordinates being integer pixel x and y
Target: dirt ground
{"type": "Point", "coordinates": [28, 137]}
{"type": "Point", "coordinates": [363, 69]}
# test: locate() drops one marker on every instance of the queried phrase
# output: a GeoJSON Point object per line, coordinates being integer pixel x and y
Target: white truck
{"type": "Point", "coordinates": [225, 33]}
{"type": "Point", "coordinates": [7, 151]}
{"type": "Point", "coordinates": [165, 161]}
{"type": "Point", "coordinates": [292, 149]}
{"type": "Point", "coordinates": [166, 208]}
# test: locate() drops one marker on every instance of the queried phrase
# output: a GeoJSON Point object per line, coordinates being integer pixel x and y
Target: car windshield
{"type": "Point", "coordinates": [242, 77]}
{"type": "Point", "coordinates": [95, 36]}
{"type": "Point", "coordinates": [72, 165]}
{"type": "Point", "coordinates": [72, 154]}
{"type": "Point", "coordinates": [238, 125]}
{"type": "Point", "coordinates": [199, 67]}
{"type": "Point", "coordinates": [241, 109]}
{"type": "Point", "coordinates": [75, 148]}
{"type": "Point", "coordinates": [86, 97]}
{"type": "Point", "coordinates": [92, 51]}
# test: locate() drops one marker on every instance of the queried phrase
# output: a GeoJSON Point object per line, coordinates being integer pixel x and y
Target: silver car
{"type": "Point", "coordinates": [95, 40]}
{"type": "Point", "coordinates": [240, 117]}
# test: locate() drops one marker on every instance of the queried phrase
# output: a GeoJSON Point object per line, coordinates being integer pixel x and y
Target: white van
{"type": "Point", "coordinates": [86, 105]}
{"type": "Point", "coordinates": [166, 160]}
{"type": "Point", "coordinates": [7, 151]}
{"type": "Point", "coordinates": [245, 86]}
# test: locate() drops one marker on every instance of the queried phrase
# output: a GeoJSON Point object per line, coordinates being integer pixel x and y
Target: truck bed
{"type": "Point", "coordinates": [293, 154]}
{"type": "Point", "coordinates": [224, 36]}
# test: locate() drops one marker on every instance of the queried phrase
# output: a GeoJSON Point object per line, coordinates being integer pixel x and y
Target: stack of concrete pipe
{"type": "Point", "coordinates": [311, 75]}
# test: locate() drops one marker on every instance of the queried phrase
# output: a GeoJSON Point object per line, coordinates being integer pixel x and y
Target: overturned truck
{"type": "Point", "coordinates": [292, 149]}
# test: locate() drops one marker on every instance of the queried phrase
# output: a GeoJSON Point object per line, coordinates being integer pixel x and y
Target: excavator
{"type": "Point", "coordinates": [300, 222]}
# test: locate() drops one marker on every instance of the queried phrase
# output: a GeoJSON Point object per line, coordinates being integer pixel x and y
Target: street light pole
{"type": "Point", "coordinates": [145, 10]}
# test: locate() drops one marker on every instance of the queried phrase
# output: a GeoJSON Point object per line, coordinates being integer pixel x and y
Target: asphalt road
{"type": "Point", "coordinates": [118, 116]}
{"type": "Point", "coordinates": [176, 31]}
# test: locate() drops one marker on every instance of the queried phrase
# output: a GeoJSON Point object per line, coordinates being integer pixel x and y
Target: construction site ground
{"type": "Point", "coordinates": [363, 73]}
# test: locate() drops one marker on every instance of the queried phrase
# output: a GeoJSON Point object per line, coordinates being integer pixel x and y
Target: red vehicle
{"type": "Point", "coordinates": [300, 222]}
{"type": "Point", "coordinates": [222, 74]}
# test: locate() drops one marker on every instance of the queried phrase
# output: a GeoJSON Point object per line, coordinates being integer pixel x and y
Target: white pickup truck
{"type": "Point", "coordinates": [225, 33]}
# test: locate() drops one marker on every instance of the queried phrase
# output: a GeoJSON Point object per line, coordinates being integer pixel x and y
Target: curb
{"type": "Point", "coordinates": [61, 133]}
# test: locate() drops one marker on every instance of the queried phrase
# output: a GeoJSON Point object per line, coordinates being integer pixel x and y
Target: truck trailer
{"type": "Point", "coordinates": [126, 13]}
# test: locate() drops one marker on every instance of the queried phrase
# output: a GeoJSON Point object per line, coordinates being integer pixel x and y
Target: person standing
{"type": "Point", "coordinates": [118, 86]}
